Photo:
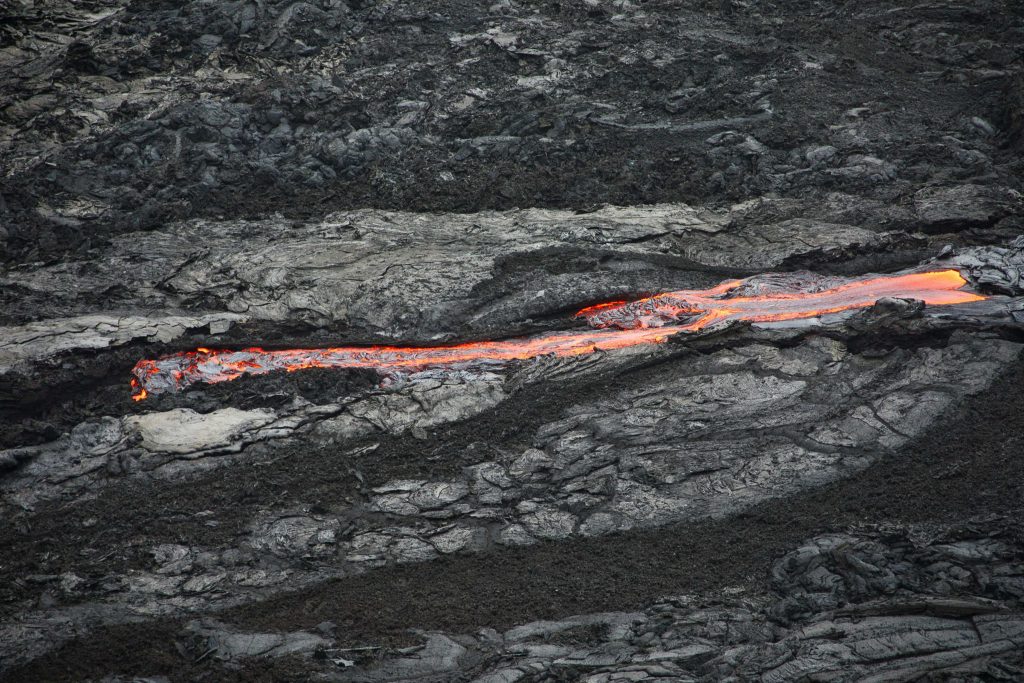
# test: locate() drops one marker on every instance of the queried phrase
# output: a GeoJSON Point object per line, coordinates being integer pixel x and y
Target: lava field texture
{"type": "Point", "coordinates": [591, 340]}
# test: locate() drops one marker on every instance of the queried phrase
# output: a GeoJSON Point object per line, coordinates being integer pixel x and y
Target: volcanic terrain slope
{"type": "Point", "coordinates": [590, 340]}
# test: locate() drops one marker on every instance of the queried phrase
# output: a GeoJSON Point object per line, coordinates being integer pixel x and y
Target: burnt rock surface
{"type": "Point", "coordinates": [835, 496]}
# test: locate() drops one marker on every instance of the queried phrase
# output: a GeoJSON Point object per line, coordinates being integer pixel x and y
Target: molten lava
{"type": "Point", "coordinates": [620, 324]}
{"type": "Point", "coordinates": [773, 298]}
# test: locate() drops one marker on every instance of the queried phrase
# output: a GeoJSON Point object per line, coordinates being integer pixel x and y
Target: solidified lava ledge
{"type": "Point", "coordinates": [602, 340]}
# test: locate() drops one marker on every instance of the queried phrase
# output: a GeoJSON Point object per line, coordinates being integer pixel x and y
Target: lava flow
{"type": "Point", "coordinates": [620, 324]}
{"type": "Point", "coordinates": [776, 298]}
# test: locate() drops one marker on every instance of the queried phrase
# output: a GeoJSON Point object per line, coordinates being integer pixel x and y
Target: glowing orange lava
{"type": "Point", "coordinates": [756, 300]}
{"type": "Point", "coordinates": [652, 320]}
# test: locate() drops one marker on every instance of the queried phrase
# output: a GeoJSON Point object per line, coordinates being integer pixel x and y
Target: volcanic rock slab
{"type": "Point", "coordinates": [413, 275]}
{"type": "Point", "coordinates": [46, 339]}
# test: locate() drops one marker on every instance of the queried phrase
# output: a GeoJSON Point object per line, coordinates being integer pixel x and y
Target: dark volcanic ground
{"type": "Point", "coordinates": [838, 498]}
{"type": "Point", "coordinates": [977, 486]}
{"type": "Point", "coordinates": [122, 116]}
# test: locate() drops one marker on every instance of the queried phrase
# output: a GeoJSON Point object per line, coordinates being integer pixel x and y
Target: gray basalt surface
{"type": "Point", "coordinates": [415, 276]}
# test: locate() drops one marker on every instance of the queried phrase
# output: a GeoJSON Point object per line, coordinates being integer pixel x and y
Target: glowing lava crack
{"type": "Point", "coordinates": [652, 320]}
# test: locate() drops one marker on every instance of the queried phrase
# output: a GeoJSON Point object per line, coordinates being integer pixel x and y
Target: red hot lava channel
{"type": "Point", "coordinates": [620, 324]}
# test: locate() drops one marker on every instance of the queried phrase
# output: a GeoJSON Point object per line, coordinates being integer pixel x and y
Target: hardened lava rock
{"type": "Point", "coordinates": [992, 268]}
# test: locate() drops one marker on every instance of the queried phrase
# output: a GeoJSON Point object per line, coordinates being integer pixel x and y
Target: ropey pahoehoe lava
{"type": "Point", "coordinates": [619, 324]}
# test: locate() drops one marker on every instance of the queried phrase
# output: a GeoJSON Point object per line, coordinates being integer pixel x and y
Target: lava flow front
{"type": "Point", "coordinates": [762, 298]}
